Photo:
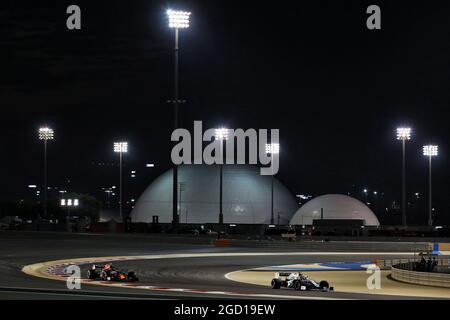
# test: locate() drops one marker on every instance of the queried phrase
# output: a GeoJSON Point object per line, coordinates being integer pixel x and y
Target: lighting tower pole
{"type": "Point", "coordinates": [272, 148]}
{"type": "Point", "coordinates": [403, 134]}
{"type": "Point", "coordinates": [430, 151]}
{"type": "Point", "coordinates": [177, 20]}
{"type": "Point", "coordinates": [120, 148]}
{"type": "Point", "coordinates": [221, 134]}
{"type": "Point", "coordinates": [45, 134]}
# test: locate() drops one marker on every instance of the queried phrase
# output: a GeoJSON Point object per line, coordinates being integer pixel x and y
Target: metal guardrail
{"type": "Point", "coordinates": [404, 272]}
{"type": "Point", "coordinates": [334, 245]}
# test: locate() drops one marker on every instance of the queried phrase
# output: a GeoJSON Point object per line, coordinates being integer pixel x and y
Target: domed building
{"type": "Point", "coordinates": [334, 207]}
{"type": "Point", "coordinates": [246, 196]}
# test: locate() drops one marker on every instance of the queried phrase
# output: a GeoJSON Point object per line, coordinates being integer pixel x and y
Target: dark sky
{"type": "Point", "coordinates": [335, 89]}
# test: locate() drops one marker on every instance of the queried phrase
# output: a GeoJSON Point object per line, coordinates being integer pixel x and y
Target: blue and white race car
{"type": "Point", "coordinates": [299, 282]}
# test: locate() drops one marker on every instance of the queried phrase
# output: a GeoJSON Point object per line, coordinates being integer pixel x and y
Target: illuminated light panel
{"type": "Point", "coordinates": [178, 19]}
{"type": "Point", "coordinates": [121, 147]}
{"type": "Point", "coordinates": [221, 134]}
{"type": "Point", "coordinates": [430, 150]}
{"type": "Point", "coordinates": [273, 148]}
{"type": "Point", "coordinates": [403, 133]}
{"type": "Point", "coordinates": [46, 133]}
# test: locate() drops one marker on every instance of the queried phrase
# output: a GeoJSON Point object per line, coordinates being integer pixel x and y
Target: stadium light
{"type": "Point", "coordinates": [403, 134]}
{"type": "Point", "coordinates": [120, 148]}
{"type": "Point", "coordinates": [69, 203]}
{"type": "Point", "coordinates": [221, 134]}
{"type": "Point", "coordinates": [272, 148]}
{"type": "Point", "coordinates": [45, 134]}
{"type": "Point", "coordinates": [430, 151]}
{"type": "Point", "coordinates": [177, 20]}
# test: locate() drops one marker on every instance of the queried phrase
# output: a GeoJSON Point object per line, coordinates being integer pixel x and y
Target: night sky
{"type": "Point", "coordinates": [336, 90]}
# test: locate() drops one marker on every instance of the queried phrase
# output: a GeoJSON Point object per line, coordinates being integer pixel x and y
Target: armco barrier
{"type": "Point", "coordinates": [421, 278]}
{"type": "Point", "coordinates": [357, 246]}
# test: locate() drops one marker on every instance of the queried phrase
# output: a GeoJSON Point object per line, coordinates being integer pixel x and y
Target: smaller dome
{"type": "Point", "coordinates": [335, 207]}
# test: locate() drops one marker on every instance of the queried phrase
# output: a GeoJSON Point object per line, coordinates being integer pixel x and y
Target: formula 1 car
{"type": "Point", "coordinates": [108, 273]}
{"type": "Point", "coordinates": [298, 281]}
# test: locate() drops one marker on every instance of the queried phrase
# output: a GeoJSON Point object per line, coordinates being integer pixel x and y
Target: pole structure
{"type": "Point", "coordinates": [45, 178]}
{"type": "Point", "coordinates": [272, 179]}
{"type": "Point", "coordinates": [404, 183]}
{"type": "Point", "coordinates": [120, 185]}
{"type": "Point", "coordinates": [271, 214]}
{"type": "Point", "coordinates": [430, 205]}
{"type": "Point", "coordinates": [221, 185]}
{"type": "Point", "coordinates": [175, 216]}
{"type": "Point", "coordinates": [221, 196]}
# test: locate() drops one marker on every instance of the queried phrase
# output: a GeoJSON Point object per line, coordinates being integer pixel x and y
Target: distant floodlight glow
{"type": "Point", "coordinates": [178, 19]}
{"type": "Point", "coordinates": [273, 148]}
{"type": "Point", "coordinates": [70, 202]}
{"type": "Point", "coordinates": [403, 133]}
{"type": "Point", "coordinates": [121, 147]}
{"type": "Point", "coordinates": [46, 133]}
{"type": "Point", "coordinates": [430, 150]}
{"type": "Point", "coordinates": [221, 134]}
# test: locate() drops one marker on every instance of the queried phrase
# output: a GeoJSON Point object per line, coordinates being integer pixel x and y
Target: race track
{"type": "Point", "coordinates": [196, 271]}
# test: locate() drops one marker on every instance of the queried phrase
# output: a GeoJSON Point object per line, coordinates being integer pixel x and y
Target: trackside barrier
{"type": "Point", "coordinates": [439, 247]}
{"type": "Point", "coordinates": [406, 263]}
{"type": "Point", "coordinates": [222, 242]}
{"type": "Point", "coordinates": [356, 246]}
{"type": "Point", "coordinates": [421, 278]}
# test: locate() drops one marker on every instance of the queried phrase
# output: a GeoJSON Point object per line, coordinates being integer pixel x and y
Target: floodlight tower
{"type": "Point", "coordinates": [403, 134]}
{"type": "Point", "coordinates": [120, 148]}
{"type": "Point", "coordinates": [221, 134]}
{"type": "Point", "coordinates": [177, 20]}
{"type": "Point", "coordinates": [430, 151]}
{"type": "Point", "coordinates": [272, 148]}
{"type": "Point", "coordinates": [45, 134]}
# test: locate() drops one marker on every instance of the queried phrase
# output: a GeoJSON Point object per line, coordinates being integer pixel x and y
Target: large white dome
{"type": "Point", "coordinates": [246, 196]}
{"type": "Point", "coordinates": [335, 206]}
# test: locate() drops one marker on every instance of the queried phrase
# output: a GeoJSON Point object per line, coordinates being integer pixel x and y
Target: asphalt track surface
{"type": "Point", "coordinates": [202, 273]}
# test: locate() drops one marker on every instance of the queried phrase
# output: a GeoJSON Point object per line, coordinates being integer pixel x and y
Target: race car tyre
{"type": "Point", "coordinates": [276, 283]}
{"type": "Point", "coordinates": [324, 285]}
{"type": "Point", "coordinates": [298, 285]}
{"type": "Point", "coordinates": [91, 274]}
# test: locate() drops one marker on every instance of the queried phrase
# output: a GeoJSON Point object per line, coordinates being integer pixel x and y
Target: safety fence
{"type": "Point", "coordinates": [405, 272]}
